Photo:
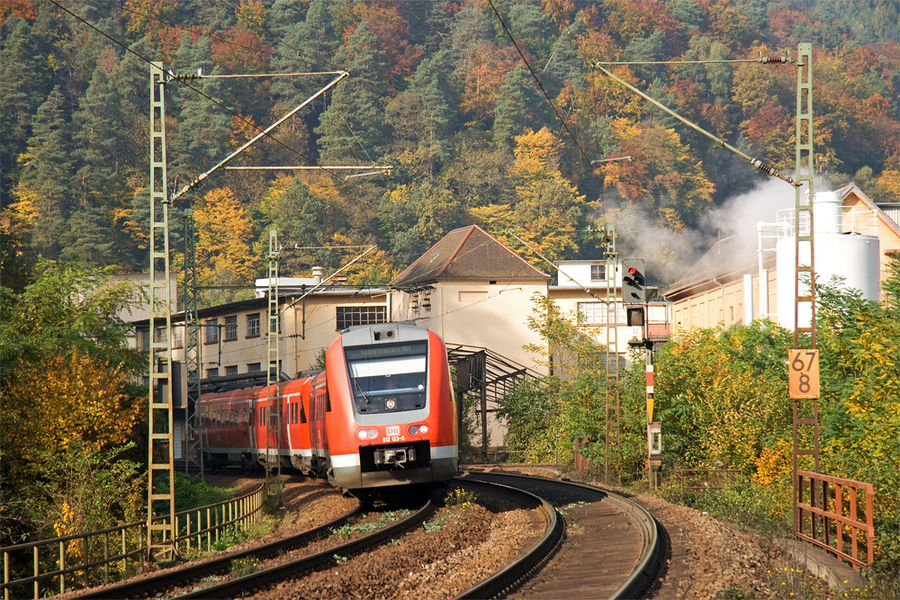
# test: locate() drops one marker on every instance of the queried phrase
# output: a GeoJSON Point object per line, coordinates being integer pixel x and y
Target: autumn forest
{"type": "Point", "coordinates": [443, 92]}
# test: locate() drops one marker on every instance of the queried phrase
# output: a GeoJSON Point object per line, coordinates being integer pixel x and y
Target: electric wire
{"type": "Point", "coordinates": [537, 80]}
{"type": "Point", "coordinates": [766, 60]}
{"type": "Point", "coordinates": [197, 91]}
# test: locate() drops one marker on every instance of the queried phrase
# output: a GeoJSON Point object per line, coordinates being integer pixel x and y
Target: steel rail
{"type": "Point", "coordinates": [508, 579]}
{"type": "Point", "coordinates": [240, 586]}
{"type": "Point", "coordinates": [646, 569]}
{"type": "Point", "coordinates": [221, 564]}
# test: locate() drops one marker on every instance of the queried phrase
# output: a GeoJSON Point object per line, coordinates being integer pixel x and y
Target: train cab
{"type": "Point", "coordinates": [388, 416]}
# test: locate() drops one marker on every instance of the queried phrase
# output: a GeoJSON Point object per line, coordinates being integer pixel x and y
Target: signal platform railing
{"type": "Point", "coordinates": [58, 565]}
{"type": "Point", "coordinates": [825, 512]}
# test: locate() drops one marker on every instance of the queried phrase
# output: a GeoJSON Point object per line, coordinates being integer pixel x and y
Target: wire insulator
{"type": "Point", "coordinates": [775, 60]}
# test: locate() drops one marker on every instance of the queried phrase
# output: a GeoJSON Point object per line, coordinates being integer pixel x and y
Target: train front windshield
{"type": "Point", "coordinates": [389, 377]}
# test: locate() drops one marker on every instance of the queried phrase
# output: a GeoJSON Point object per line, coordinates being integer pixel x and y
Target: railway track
{"type": "Point", "coordinates": [150, 586]}
{"type": "Point", "coordinates": [618, 555]}
{"type": "Point", "coordinates": [248, 584]}
{"type": "Point", "coordinates": [545, 569]}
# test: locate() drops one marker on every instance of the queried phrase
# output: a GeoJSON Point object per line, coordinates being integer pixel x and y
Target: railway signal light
{"type": "Point", "coordinates": [634, 289]}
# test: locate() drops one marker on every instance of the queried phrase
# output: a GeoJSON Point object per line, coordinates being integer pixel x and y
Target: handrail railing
{"type": "Point", "coordinates": [829, 515]}
{"type": "Point", "coordinates": [73, 561]}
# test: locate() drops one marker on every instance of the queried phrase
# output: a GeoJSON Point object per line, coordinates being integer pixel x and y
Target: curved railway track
{"type": "Point", "coordinates": [242, 586]}
{"type": "Point", "coordinates": [618, 553]}
{"type": "Point", "coordinates": [150, 586]}
{"type": "Point", "coordinates": [618, 535]}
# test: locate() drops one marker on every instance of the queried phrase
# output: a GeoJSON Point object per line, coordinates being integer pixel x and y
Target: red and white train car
{"type": "Point", "coordinates": [381, 414]}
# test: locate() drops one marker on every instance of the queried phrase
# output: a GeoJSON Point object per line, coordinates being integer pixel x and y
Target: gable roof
{"type": "Point", "coordinates": [852, 188]}
{"type": "Point", "coordinates": [467, 253]}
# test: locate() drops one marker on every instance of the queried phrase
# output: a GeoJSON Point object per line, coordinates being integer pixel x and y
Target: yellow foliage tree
{"type": "Point", "coordinates": [224, 240]}
{"type": "Point", "coordinates": [547, 210]}
{"type": "Point", "coordinates": [61, 400]}
{"type": "Point", "coordinates": [663, 176]}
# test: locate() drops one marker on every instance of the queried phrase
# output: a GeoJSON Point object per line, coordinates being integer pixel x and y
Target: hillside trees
{"type": "Point", "coordinates": [202, 137]}
{"type": "Point", "coordinates": [44, 193]}
{"type": "Point", "coordinates": [351, 129]}
{"type": "Point", "coordinates": [65, 384]}
{"type": "Point", "coordinates": [23, 87]}
{"type": "Point", "coordinates": [437, 90]}
{"type": "Point", "coordinates": [225, 255]}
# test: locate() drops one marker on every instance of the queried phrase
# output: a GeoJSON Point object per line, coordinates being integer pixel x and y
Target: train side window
{"type": "Point", "coordinates": [250, 417]}
{"type": "Point", "coordinates": [327, 402]}
{"type": "Point", "coordinates": [302, 414]}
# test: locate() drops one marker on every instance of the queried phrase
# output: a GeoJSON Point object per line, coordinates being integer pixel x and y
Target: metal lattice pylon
{"type": "Point", "coordinates": [273, 374]}
{"type": "Point", "coordinates": [805, 412]}
{"type": "Point", "coordinates": [161, 443]}
{"type": "Point", "coordinates": [192, 356]}
{"type": "Point", "coordinates": [613, 411]}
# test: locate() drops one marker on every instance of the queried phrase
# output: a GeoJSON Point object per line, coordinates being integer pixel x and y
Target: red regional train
{"type": "Point", "coordinates": [382, 413]}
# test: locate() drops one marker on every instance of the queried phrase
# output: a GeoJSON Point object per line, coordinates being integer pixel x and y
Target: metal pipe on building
{"type": "Point", "coordinates": [722, 287]}
{"type": "Point", "coordinates": [748, 298]}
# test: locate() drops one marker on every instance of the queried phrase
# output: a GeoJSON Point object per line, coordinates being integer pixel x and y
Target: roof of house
{"type": "Point", "coordinates": [725, 260]}
{"type": "Point", "coordinates": [467, 253]}
{"type": "Point", "coordinates": [883, 215]}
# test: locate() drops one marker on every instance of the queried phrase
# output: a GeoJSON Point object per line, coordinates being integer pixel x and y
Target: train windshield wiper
{"type": "Point", "coordinates": [360, 390]}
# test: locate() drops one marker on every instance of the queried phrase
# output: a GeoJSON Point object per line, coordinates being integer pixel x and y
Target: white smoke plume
{"type": "Point", "coordinates": [669, 254]}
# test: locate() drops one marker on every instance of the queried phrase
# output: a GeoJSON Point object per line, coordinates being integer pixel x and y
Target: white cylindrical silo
{"type": "Point", "coordinates": [855, 258]}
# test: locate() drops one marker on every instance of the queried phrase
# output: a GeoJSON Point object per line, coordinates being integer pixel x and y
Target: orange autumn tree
{"type": "Point", "coordinates": [66, 392]}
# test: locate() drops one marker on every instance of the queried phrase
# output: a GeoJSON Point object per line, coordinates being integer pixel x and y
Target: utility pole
{"type": "Point", "coordinates": [273, 375]}
{"type": "Point", "coordinates": [192, 351]}
{"type": "Point", "coordinates": [161, 453]}
{"type": "Point", "coordinates": [161, 527]}
{"type": "Point", "coordinates": [612, 409]}
{"type": "Point", "coordinates": [803, 359]}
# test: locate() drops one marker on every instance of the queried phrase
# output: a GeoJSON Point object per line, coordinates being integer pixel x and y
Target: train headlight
{"type": "Point", "coordinates": [366, 434]}
{"type": "Point", "coordinates": [414, 429]}
{"type": "Point", "coordinates": [391, 404]}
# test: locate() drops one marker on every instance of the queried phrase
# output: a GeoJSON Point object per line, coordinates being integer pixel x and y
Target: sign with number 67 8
{"type": "Point", "coordinates": [803, 370]}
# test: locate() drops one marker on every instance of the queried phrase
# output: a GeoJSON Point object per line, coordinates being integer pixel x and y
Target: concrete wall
{"type": "Point", "coordinates": [477, 313]}
{"type": "Point", "coordinates": [722, 303]}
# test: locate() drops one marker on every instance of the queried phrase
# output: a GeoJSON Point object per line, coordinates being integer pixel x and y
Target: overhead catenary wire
{"type": "Point", "coordinates": [537, 80]}
{"type": "Point", "coordinates": [765, 168]}
{"type": "Point", "coordinates": [766, 60]}
{"type": "Point", "coordinates": [197, 91]}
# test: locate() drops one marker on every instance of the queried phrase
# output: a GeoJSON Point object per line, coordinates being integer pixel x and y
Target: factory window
{"type": "Point", "coordinates": [212, 372]}
{"type": "Point", "coordinates": [212, 331]}
{"type": "Point", "coordinates": [253, 325]}
{"type": "Point", "coordinates": [598, 272]}
{"type": "Point", "coordinates": [231, 328]}
{"type": "Point", "coordinates": [347, 316]}
{"type": "Point", "coordinates": [595, 313]}
{"type": "Point", "coordinates": [231, 370]}
{"type": "Point", "coordinates": [254, 367]}
{"type": "Point", "coordinates": [178, 337]}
